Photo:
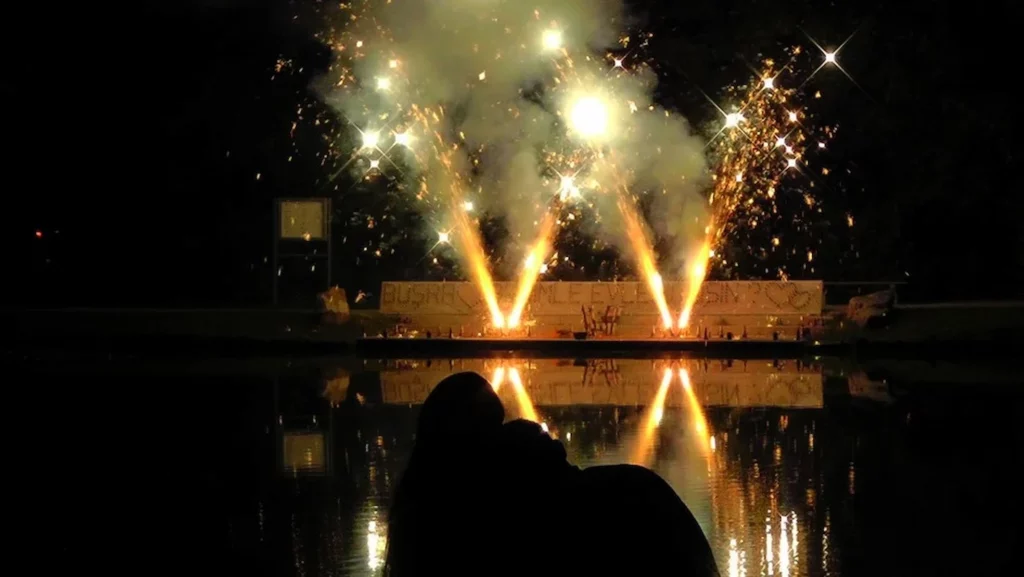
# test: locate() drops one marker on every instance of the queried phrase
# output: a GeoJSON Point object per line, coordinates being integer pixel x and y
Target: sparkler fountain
{"type": "Point", "coordinates": [473, 248]}
{"type": "Point", "coordinates": [758, 145]}
{"type": "Point", "coordinates": [531, 269]}
{"type": "Point", "coordinates": [602, 136]}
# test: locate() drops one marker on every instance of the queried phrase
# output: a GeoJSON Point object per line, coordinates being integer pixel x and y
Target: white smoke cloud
{"type": "Point", "coordinates": [513, 88]}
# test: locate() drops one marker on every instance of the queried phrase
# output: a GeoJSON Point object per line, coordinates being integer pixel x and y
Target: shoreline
{"type": "Point", "coordinates": [192, 347]}
{"type": "Point", "coordinates": [932, 331]}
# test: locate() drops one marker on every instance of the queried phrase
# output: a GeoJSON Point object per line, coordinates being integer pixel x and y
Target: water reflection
{"type": "Point", "coordinates": [620, 382]}
{"type": "Point", "coordinates": [522, 399]}
{"type": "Point", "coordinates": [736, 565]}
{"type": "Point", "coordinates": [376, 543]}
{"type": "Point", "coordinates": [652, 420]}
{"type": "Point", "coordinates": [730, 436]}
{"type": "Point", "coordinates": [304, 452]}
{"type": "Point", "coordinates": [770, 472]}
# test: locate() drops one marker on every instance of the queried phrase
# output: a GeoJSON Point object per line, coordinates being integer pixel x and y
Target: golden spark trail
{"type": "Point", "coordinates": [651, 421]}
{"type": "Point", "coordinates": [473, 248]}
{"type": "Point", "coordinates": [694, 280]}
{"type": "Point", "coordinates": [531, 270]}
{"type": "Point", "coordinates": [762, 142]}
{"type": "Point", "coordinates": [645, 258]}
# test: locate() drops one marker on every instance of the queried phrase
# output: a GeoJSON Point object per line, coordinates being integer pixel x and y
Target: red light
{"type": "Point", "coordinates": [39, 234]}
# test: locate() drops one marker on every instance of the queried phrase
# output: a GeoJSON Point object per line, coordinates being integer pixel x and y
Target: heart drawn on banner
{"type": "Point", "coordinates": [787, 295]}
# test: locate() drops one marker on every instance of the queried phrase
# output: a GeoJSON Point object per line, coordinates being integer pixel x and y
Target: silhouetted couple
{"type": "Point", "coordinates": [480, 497]}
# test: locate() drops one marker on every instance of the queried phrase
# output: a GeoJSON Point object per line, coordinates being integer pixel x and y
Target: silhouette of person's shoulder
{"type": "Point", "coordinates": [636, 510]}
{"type": "Point", "coordinates": [647, 484]}
{"type": "Point", "coordinates": [619, 519]}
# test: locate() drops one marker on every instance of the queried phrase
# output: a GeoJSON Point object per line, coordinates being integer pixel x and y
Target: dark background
{"type": "Point", "coordinates": [132, 140]}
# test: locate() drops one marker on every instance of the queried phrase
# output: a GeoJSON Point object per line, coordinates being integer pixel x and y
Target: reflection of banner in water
{"type": "Point", "coordinates": [551, 382]}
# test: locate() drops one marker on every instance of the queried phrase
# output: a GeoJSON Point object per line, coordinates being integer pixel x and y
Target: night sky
{"type": "Point", "coordinates": [132, 151]}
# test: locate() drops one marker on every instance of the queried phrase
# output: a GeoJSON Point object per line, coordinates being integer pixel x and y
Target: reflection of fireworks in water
{"type": "Point", "coordinates": [526, 410]}
{"type": "Point", "coordinates": [376, 544]}
{"type": "Point", "coordinates": [498, 378]}
{"type": "Point", "coordinates": [606, 144]}
{"type": "Point", "coordinates": [649, 426]}
{"type": "Point", "coordinates": [523, 400]}
{"type": "Point", "coordinates": [655, 412]}
{"type": "Point", "coordinates": [700, 422]}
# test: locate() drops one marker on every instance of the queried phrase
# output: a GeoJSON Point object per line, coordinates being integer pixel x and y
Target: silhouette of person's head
{"type": "Point", "coordinates": [450, 479]}
{"type": "Point", "coordinates": [463, 407]}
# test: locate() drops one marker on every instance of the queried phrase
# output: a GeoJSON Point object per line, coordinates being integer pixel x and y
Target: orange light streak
{"type": "Point", "coordinates": [694, 280]}
{"type": "Point", "coordinates": [497, 378]}
{"type": "Point", "coordinates": [697, 412]}
{"type": "Point", "coordinates": [637, 236]}
{"type": "Point", "coordinates": [526, 410]}
{"type": "Point", "coordinates": [651, 421]}
{"type": "Point", "coordinates": [531, 270]}
{"type": "Point", "coordinates": [473, 248]}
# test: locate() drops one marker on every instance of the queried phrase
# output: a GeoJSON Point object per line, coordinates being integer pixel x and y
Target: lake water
{"type": "Point", "coordinates": [826, 467]}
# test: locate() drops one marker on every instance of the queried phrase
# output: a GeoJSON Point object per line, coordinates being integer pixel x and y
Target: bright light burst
{"type": "Point", "coordinates": [588, 117]}
{"type": "Point", "coordinates": [370, 139]}
{"type": "Point", "coordinates": [551, 39]}
{"type": "Point", "coordinates": [567, 188]}
{"type": "Point", "coordinates": [402, 139]}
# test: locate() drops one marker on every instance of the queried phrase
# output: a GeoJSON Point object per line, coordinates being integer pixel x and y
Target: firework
{"type": "Point", "coordinates": [762, 141]}
{"type": "Point", "coordinates": [473, 248]}
{"type": "Point", "coordinates": [531, 269]}
{"type": "Point", "coordinates": [645, 255]}
{"type": "Point", "coordinates": [434, 95]}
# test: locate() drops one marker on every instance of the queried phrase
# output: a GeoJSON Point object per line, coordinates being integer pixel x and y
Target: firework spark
{"type": "Point", "coordinates": [645, 256]}
{"type": "Point", "coordinates": [759, 146]}
{"type": "Point", "coordinates": [694, 279]}
{"type": "Point", "coordinates": [532, 269]}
